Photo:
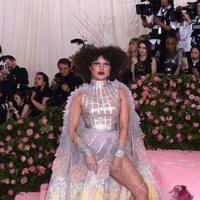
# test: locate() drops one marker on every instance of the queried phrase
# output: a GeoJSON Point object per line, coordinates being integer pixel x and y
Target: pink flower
{"type": "Point", "coordinates": [19, 132]}
{"type": "Point", "coordinates": [25, 139]}
{"type": "Point", "coordinates": [27, 148]}
{"type": "Point", "coordinates": [13, 182]}
{"type": "Point", "coordinates": [133, 86]}
{"type": "Point", "coordinates": [32, 168]}
{"type": "Point", "coordinates": [8, 138]}
{"type": "Point", "coordinates": [24, 180]}
{"type": "Point", "coordinates": [164, 85]}
{"type": "Point", "coordinates": [192, 86]}
{"type": "Point", "coordinates": [139, 82]}
{"type": "Point", "coordinates": [25, 171]}
{"type": "Point", "coordinates": [12, 171]}
{"type": "Point", "coordinates": [171, 141]}
{"type": "Point", "coordinates": [156, 121]}
{"type": "Point", "coordinates": [20, 146]}
{"type": "Point", "coordinates": [147, 101]}
{"type": "Point", "coordinates": [49, 165]}
{"type": "Point", "coordinates": [168, 93]}
{"type": "Point", "coordinates": [187, 92]}
{"type": "Point", "coordinates": [23, 158]}
{"type": "Point", "coordinates": [153, 103]}
{"type": "Point", "coordinates": [10, 192]}
{"type": "Point", "coordinates": [33, 146]}
{"type": "Point", "coordinates": [187, 117]}
{"type": "Point", "coordinates": [195, 124]}
{"type": "Point", "coordinates": [191, 96]}
{"type": "Point", "coordinates": [29, 132]}
{"type": "Point", "coordinates": [189, 137]}
{"type": "Point", "coordinates": [155, 89]}
{"type": "Point", "coordinates": [197, 98]}
{"type": "Point", "coordinates": [186, 102]}
{"type": "Point", "coordinates": [9, 127]}
{"type": "Point", "coordinates": [20, 121]}
{"type": "Point", "coordinates": [40, 148]}
{"type": "Point", "coordinates": [10, 164]}
{"type": "Point", "coordinates": [156, 79]}
{"type": "Point", "coordinates": [51, 136]}
{"type": "Point", "coordinates": [151, 117]}
{"type": "Point", "coordinates": [173, 95]}
{"type": "Point", "coordinates": [169, 118]}
{"type": "Point", "coordinates": [160, 137]}
{"type": "Point", "coordinates": [2, 150]}
{"type": "Point", "coordinates": [162, 100]}
{"type": "Point", "coordinates": [155, 131]}
{"type": "Point", "coordinates": [166, 109]}
{"type": "Point", "coordinates": [169, 124]}
{"type": "Point", "coordinates": [31, 124]}
{"type": "Point", "coordinates": [172, 83]}
{"type": "Point", "coordinates": [40, 155]}
{"type": "Point", "coordinates": [143, 78]}
{"type": "Point", "coordinates": [179, 126]}
{"type": "Point", "coordinates": [179, 80]}
{"type": "Point", "coordinates": [41, 169]}
{"type": "Point", "coordinates": [145, 94]}
{"type": "Point", "coordinates": [134, 95]}
{"type": "Point", "coordinates": [44, 120]}
{"type": "Point", "coordinates": [30, 161]}
{"type": "Point", "coordinates": [145, 88]}
{"type": "Point", "coordinates": [9, 148]}
{"type": "Point", "coordinates": [37, 135]}
{"type": "Point", "coordinates": [162, 118]}
{"type": "Point", "coordinates": [178, 135]}
{"type": "Point", "coordinates": [141, 101]}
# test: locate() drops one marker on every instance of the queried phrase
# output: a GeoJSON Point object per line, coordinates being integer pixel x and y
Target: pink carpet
{"type": "Point", "coordinates": [172, 167]}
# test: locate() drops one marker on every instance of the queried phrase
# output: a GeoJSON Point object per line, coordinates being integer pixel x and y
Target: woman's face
{"type": "Point", "coordinates": [195, 54]}
{"type": "Point", "coordinates": [170, 44]}
{"type": "Point", "coordinates": [19, 101]}
{"type": "Point", "coordinates": [39, 81]}
{"type": "Point", "coordinates": [142, 49]}
{"type": "Point", "coordinates": [132, 47]}
{"type": "Point", "coordinates": [100, 69]}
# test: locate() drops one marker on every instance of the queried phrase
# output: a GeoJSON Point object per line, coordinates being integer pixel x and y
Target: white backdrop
{"type": "Point", "coordinates": [38, 32]}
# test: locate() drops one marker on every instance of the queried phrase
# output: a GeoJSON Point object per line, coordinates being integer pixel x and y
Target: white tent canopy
{"type": "Point", "coordinates": [38, 32]}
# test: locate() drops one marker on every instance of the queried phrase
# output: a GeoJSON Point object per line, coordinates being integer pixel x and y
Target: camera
{"type": "Point", "coordinates": [147, 9]}
{"type": "Point", "coordinates": [6, 106]}
{"type": "Point", "coordinates": [190, 9]}
{"type": "Point", "coordinates": [2, 65]}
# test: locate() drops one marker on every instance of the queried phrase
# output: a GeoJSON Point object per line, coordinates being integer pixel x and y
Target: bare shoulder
{"type": "Point", "coordinates": [122, 93]}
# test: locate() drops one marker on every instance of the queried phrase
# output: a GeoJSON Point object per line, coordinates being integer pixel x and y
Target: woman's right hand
{"type": "Point", "coordinates": [91, 163]}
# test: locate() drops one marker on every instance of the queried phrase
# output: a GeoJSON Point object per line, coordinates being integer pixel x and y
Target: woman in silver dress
{"type": "Point", "coordinates": [101, 155]}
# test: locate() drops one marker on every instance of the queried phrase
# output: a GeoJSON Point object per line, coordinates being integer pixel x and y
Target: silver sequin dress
{"type": "Point", "coordinates": [98, 129]}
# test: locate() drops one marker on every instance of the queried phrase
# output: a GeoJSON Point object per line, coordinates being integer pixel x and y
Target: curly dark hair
{"type": "Point", "coordinates": [115, 55]}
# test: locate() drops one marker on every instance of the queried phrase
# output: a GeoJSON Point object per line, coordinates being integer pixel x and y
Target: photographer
{"type": "Point", "coordinates": [161, 23]}
{"type": "Point", "coordinates": [13, 75]}
{"type": "Point", "coordinates": [63, 83]}
{"type": "Point", "coordinates": [195, 36]}
{"type": "Point", "coordinates": [19, 109]}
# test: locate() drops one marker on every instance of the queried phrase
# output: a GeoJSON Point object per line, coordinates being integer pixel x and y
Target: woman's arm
{"type": "Point", "coordinates": [25, 111]}
{"type": "Point", "coordinates": [123, 132]}
{"type": "Point", "coordinates": [76, 139]}
{"type": "Point", "coordinates": [153, 65]}
{"type": "Point", "coordinates": [39, 106]}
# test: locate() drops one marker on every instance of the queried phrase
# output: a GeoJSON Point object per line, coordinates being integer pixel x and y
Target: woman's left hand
{"type": "Point", "coordinates": [33, 95]}
{"type": "Point", "coordinates": [116, 164]}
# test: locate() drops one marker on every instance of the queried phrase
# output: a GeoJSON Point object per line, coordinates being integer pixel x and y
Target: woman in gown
{"type": "Point", "coordinates": [101, 155]}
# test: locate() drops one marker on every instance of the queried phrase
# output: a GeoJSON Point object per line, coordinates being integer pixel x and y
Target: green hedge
{"type": "Point", "coordinates": [168, 107]}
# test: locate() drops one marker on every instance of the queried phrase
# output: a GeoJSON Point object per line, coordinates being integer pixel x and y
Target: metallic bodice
{"type": "Point", "coordinates": [100, 105]}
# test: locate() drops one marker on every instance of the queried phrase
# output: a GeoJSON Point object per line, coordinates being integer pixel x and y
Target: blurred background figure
{"type": "Point", "coordinates": [64, 82]}
{"type": "Point", "coordinates": [14, 76]}
{"type": "Point", "coordinates": [144, 63]}
{"type": "Point", "coordinates": [40, 94]}
{"type": "Point", "coordinates": [20, 108]}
